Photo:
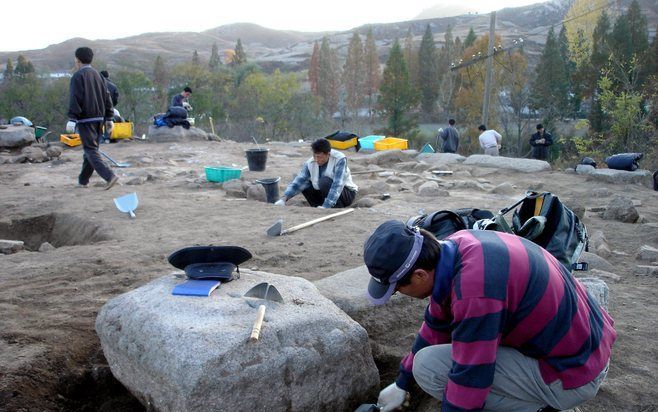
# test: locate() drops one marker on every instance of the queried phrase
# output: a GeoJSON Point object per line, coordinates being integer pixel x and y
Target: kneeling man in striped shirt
{"type": "Point", "coordinates": [507, 328]}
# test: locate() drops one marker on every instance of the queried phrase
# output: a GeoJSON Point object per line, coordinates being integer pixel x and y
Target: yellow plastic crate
{"type": "Point", "coordinates": [122, 130]}
{"type": "Point", "coordinates": [343, 145]}
{"type": "Point", "coordinates": [391, 143]}
{"type": "Point", "coordinates": [70, 139]}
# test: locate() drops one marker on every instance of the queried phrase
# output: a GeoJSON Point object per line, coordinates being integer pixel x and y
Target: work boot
{"type": "Point", "coordinates": [81, 186]}
{"type": "Point", "coordinates": [112, 182]}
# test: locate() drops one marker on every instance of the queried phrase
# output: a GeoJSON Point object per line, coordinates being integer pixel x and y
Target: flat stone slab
{"type": "Point", "coordinates": [175, 134]}
{"type": "Point", "coordinates": [441, 158]}
{"type": "Point", "coordinates": [16, 136]}
{"type": "Point", "coordinates": [511, 163]}
{"type": "Point", "coordinates": [180, 353]}
{"type": "Point", "coordinates": [622, 176]}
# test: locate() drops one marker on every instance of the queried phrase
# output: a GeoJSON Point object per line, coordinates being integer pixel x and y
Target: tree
{"type": "Point", "coordinates": [600, 51]}
{"type": "Point", "coordinates": [372, 78]}
{"type": "Point", "coordinates": [575, 88]}
{"type": "Point", "coordinates": [447, 78]}
{"type": "Point", "coordinates": [630, 37]}
{"type": "Point", "coordinates": [215, 62]}
{"type": "Point", "coordinates": [514, 98]}
{"type": "Point", "coordinates": [24, 67]}
{"type": "Point", "coordinates": [411, 58]}
{"type": "Point", "coordinates": [398, 98]}
{"type": "Point", "coordinates": [314, 69]}
{"type": "Point", "coordinates": [428, 73]}
{"type": "Point", "coordinates": [580, 22]}
{"type": "Point", "coordinates": [9, 71]}
{"type": "Point", "coordinates": [135, 94]}
{"type": "Point", "coordinates": [328, 77]}
{"type": "Point", "coordinates": [353, 74]}
{"type": "Point", "coordinates": [470, 39]}
{"type": "Point", "coordinates": [550, 89]}
{"type": "Point", "coordinates": [160, 84]}
{"type": "Point", "coordinates": [195, 58]}
{"type": "Point", "coordinates": [240, 57]}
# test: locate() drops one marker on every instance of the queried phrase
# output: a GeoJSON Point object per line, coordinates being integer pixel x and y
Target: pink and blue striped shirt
{"type": "Point", "coordinates": [495, 289]}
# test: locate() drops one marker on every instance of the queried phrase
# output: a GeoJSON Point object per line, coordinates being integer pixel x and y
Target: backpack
{"type": "Point", "coordinates": [546, 221]}
{"type": "Point", "coordinates": [443, 223]}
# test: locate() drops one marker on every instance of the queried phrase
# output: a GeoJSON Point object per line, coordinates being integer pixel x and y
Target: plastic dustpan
{"type": "Point", "coordinates": [127, 203]}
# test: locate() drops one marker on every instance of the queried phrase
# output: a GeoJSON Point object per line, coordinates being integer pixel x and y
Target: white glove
{"type": "Point", "coordinates": [391, 397]}
{"type": "Point", "coordinates": [70, 126]}
{"type": "Point", "coordinates": [109, 126]}
{"type": "Point", "coordinates": [280, 202]}
{"type": "Point", "coordinates": [187, 106]}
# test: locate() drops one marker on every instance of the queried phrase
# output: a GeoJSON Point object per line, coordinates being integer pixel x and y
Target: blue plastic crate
{"type": "Point", "coordinates": [220, 174]}
{"type": "Point", "coordinates": [368, 142]}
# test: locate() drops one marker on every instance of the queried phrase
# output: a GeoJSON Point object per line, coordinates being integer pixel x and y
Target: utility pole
{"type": "Point", "coordinates": [488, 78]}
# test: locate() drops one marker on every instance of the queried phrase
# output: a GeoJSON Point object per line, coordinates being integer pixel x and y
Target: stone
{"type": "Point", "coordinates": [394, 180]}
{"type": "Point", "coordinates": [16, 137]}
{"type": "Point", "coordinates": [585, 169]}
{"type": "Point", "coordinates": [34, 154]}
{"type": "Point", "coordinates": [505, 188]}
{"type": "Point", "coordinates": [416, 167]}
{"type": "Point", "coordinates": [623, 176]}
{"type": "Point", "coordinates": [387, 173]}
{"type": "Point", "coordinates": [601, 192]}
{"type": "Point", "coordinates": [647, 253]}
{"type": "Point", "coordinates": [21, 158]}
{"type": "Point", "coordinates": [646, 270]}
{"type": "Point", "coordinates": [136, 181]}
{"type": "Point", "coordinates": [429, 189]}
{"type": "Point", "coordinates": [603, 274]}
{"type": "Point", "coordinates": [53, 151]}
{"type": "Point", "coordinates": [256, 192]}
{"type": "Point", "coordinates": [462, 173]}
{"type": "Point", "coordinates": [467, 184]}
{"type": "Point", "coordinates": [387, 157]}
{"type": "Point", "coordinates": [8, 247]}
{"type": "Point", "coordinates": [365, 202]}
{"type": "Point", "coordinates": [179, 353]}
{"type": "Point", "coordinates": [440, 158]}
{"type": "Point", "coordinates": [576, 207]}
{"type": "Point", "coordinates": [596, 262]}
{"type": "Point", "coordinates": [175, 134]}
{"type": "Point", "coordinates": [621, 208]}
{"type": "Point", "coordinates": [46, 247]}
{"type": "Point", "coordinates": [599, 244]}
{"type": "Point", "coordinates": [598, 289]}
{"type": "Point", "coordinates": [235, 188]}
{"type": "Point", "coordinates": [519, 165]}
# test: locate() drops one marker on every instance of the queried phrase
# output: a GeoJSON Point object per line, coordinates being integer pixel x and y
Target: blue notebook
{"type": "Point", "coordinates": [196, 288]}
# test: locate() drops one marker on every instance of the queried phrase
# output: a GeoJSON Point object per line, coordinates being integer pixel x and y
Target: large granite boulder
{"type": "Point", "coordinates": [511, 163]}
{"type": "Point", "coordinates": [622, 176]}
{"type": "Point", "coordinates": [16, 137]}
{"type": "Point", "coordinates": [388, 157]}
{"type": "Point", "coordinates": [441, 158]}
{"type": "Point", "coordinates": [180, 353]}
{"type": "Point", "coordinates": [622, 209]}
{"type": "Point", "coordinates": [175, 134]}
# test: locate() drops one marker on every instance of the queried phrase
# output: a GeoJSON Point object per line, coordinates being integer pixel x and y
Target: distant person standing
{"type": "Point", "coordinates": [180, 100]}
{"type": "Point", "coordinates": [111, 88]}
{"type": "Point", "coordinates": [489, 140]}
{"type": "Point", "coordinates": [448, 138]}
{"type": "Point", "coordinates": [90, 106]}
{"type": "Point", "coordinates": [540, 142]}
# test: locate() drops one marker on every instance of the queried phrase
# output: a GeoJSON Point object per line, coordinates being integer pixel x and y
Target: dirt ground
{"type": "Point", "coordinates": [50, 356]}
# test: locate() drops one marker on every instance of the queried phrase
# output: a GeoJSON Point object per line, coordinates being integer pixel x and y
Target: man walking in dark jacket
{"type": "Point", "coordinates": [540, 142]}
{"type": "Point", "coordinates": [448, 138]}
{"type": "Point", "coordinates": [90, 106]}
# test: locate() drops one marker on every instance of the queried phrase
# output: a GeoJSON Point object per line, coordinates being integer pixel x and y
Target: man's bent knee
{"type": "Point", "coordinates": [431, 367]}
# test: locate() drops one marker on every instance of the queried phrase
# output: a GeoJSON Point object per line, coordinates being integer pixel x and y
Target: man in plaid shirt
{"type": "Point", "coordinates": [325, 180]}
{"type": "Point", "coordinates": [507, 328]}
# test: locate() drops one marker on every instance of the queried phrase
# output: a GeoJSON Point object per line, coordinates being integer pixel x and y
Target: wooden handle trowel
{"type": "Point", "coordinates": [264, 293]}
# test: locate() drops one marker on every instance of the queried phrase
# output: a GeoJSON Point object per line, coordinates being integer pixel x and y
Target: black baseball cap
{"type": "Point", "coordinates": [389, 253]}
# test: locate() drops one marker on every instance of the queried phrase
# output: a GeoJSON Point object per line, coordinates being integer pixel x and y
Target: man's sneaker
{"type": "Point", "coordinates": [81, 186]}
{"type": "Point", "coordinates": [112, 182]}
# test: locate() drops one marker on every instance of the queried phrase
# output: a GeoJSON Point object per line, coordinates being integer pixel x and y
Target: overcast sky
{"type": "Point", "coordinates": [35, 24]}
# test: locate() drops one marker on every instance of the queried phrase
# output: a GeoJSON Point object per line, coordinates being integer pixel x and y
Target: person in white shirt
{"type": "Point", "coordinates": [489, 140]}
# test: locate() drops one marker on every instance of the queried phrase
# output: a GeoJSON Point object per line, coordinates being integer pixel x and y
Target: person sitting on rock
{"type": "Point", "coordinates": [325, 180]}
{"type": "Point", "coordinates": [507, 327]}
{"type": "Point", "coordinates": [181, 99]}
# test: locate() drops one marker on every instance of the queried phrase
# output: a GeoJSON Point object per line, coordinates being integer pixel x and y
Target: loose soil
{"type": "Point", "coordinates": [50, 356]}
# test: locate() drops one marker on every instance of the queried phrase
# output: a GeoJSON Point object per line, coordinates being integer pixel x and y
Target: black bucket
{"type": "Point", "coordinates": [256, 159]}
{"type": "Point", "coordinates": [271, 188]}
{"type": "Point", "coordinates": [655, 180]}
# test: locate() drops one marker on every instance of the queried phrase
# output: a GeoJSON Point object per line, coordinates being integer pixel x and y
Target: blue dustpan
{"type": "Point", "coordinates": [127, 203]}
{"type": "Point", "coordinates": [427, 149]}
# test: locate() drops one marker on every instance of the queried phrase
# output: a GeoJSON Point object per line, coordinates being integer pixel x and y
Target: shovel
{"type": "Point", "coordinates": [277, 228]}
{"type": "Point", "coordinates": [117, 164]}
{"type": "Point", "coordinates": [127, 203]}
{"type": "Point", "coordinates": [264, 292]}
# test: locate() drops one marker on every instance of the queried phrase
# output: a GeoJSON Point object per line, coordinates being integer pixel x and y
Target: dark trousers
{"type": "Point", "coordinates": [316, 197]}
{"type": "Point", "coordinates": [91, 159]}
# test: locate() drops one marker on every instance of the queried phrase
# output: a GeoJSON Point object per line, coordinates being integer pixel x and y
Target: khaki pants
{"type": "Point", "coordinates": [517, 385]}
{"type": "Point", "coordinates": [491, 151]}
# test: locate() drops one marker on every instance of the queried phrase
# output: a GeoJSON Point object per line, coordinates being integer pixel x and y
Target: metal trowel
{"type": "Point", "coordinates": [263, 293]}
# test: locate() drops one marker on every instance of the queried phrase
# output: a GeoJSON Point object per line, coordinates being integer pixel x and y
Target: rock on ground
{"type": "Point", "coordinates": [15, 137]}
{"type": "Point", "coordinates": [648, 253]}
{"type": "Point", "coordinates": [520, 165]}
{"type": "Point", "coordinates": [622, 176]}
{"type": "Point", "coordinates": [178, 353]}
{"type": "Point", "coordinates": [175, 134]}
{"type": "Point", "coordinates": [11, 246]}
{"type": "Point", "coordinates": [598, 289]}
{"type": "Point", "coordinates": [622, 209]}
